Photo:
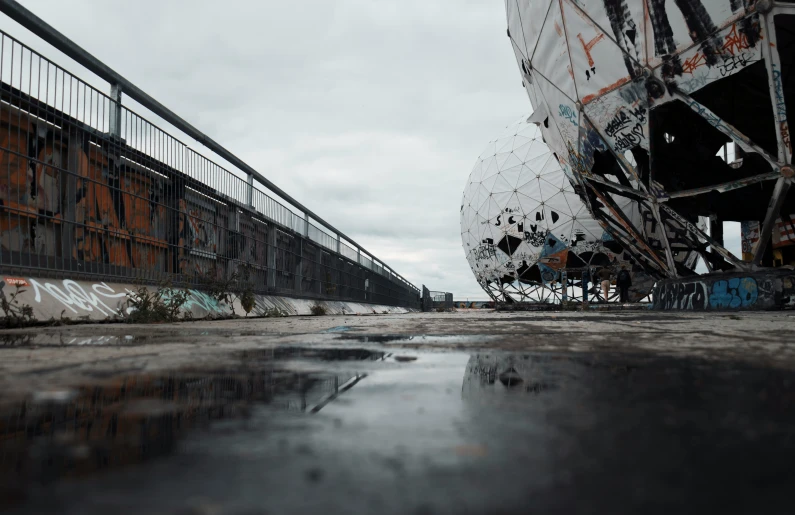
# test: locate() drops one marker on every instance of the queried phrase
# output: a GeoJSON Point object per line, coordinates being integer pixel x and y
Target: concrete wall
{"type": "Point", "coordinates": [86, 300]}
{"type": "Point", "coordinates": [764, 290]}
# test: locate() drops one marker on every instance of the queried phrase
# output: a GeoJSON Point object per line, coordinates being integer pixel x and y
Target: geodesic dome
{"type": "Point", "coordinates": [639, 100]}
{"type": "Point", "coordinates": [523, 225]}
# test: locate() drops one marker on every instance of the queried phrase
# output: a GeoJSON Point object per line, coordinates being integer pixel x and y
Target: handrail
{"type": "Point", "coordinates": [48, 33]}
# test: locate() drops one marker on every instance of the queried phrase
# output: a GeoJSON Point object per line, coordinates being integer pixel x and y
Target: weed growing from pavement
{"type": "Point", "coordinates": [151, 307]}
{"type": "Point", "coordinates": [228, 289]}
{"type": "Point", "coordinates": [318, 310]}
{"type": "Point", "coordinates": [274, 312]}
{"type": "Point", "coordinates": [14, 313]}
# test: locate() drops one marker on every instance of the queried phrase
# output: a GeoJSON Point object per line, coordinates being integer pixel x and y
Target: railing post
{"type": "Point", "coordinates": [115, 111]}
{"type": "Point", "coordinates": [338, 243]}
{"type": "Point", "coordinates": [306, 225]}
{"type": "Point", "coordinates": [299, 265]}
{"type": "Point", "coordinates": [271, 259]}
{"type": "Point", "coordinates": [250, 181]}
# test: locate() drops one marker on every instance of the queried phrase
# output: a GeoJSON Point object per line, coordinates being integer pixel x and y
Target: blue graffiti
{"type": "Point", "coordinates": [568, 113]}
{"type": "Point", "coordinates": [734, 293]}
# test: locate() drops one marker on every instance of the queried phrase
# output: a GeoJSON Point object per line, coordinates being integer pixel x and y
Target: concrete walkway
{"type": "Point", "coordinates": [466, 412]}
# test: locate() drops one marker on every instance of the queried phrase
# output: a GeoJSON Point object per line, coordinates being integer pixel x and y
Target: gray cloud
{"type": "Point", "coordinates": [372, 113]}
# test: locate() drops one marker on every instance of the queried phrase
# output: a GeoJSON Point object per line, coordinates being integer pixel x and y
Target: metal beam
{"type": "Point", "coordinates": [773, 209]}
{"type": "Point", "coordinates": [728, 256]}
{"type": "Point", "coordinates": [775, 84]}
{"type": "Point", "coordinates": [743, 141]}
{"type": "Point", "coordinates": [45, 31]}
{"type": "Point", "coordinates": [725, 186]}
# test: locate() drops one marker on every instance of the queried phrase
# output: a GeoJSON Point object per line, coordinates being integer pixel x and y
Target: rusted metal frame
{"type": "Point", "coordinates": [616, 212]}
{"type": "Point", "coordinates": [618, 188]}
{"type": "Point", "coordinates": [696, 246]}
{"type": "Point", "coordinates": [776, 87]}
{"type": "Point", "coordinates": [581, 179]}
{"type": "Point", "coordinates": [617, 231]}
{"type": "Point", "coordinates": [773, 208]}
{"type": "Point", "coordinates": [738, 137]}
{"type": "Point", "coordinates": [606, 226]}
{"type": "Point", "coordinates": [655, 209]}
{"type": "Point", "coordinates": [612, 228]}
{"type": "Point", "coordinates": [620, 157]}
{"type": "Point", "coordinates": [724, 187]}
{"type": "Point", "coordinates": [637, 194]}
{"type": "Point", "coordinates": [669, 255]}
{"type": "Point", "coordinates": [728, 256]}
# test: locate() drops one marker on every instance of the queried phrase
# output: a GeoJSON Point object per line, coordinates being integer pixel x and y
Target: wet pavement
{"type": "Point", "coordinates": [209, 419]}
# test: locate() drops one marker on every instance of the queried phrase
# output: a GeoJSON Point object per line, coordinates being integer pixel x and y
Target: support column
{"type": "Point", "coordinates": [270, 252]}
{"type": "Point", "coordinates": [250, 181]}
{"type": "Point", "coordinates": [232, 244]}
{"type": "Point", "coordinates": [773, 210]}
{"type": "Point", "coordinates": [298, 264]}
{"type": "Point", "coordinates": [115, 111]}
{"type": "Point", "coordinates": [68, 185]}
{"type": "Point", "coordinates": [716, 229]}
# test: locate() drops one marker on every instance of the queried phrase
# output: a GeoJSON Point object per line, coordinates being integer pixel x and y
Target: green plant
{"type": "Point", "coordinates": [228, 289]}
{"type": "Point", "coordinates": [14, 313]}
{"type": "Point", "coordinates": [149, 307]}
{"type": "Point", "coordinates": [248, 301]}
{"type": "Point", "coordinates": [317, 309]}
{"type": "Point", "coordinates": [274, 312]}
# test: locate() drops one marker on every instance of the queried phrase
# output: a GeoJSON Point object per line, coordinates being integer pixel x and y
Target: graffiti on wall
{"type": "Point", "coordinates": [87, 299]}
{"type": "Point", "coordinates": [701, 295]}
{"type": "Point", "coordinates": [116, 212]}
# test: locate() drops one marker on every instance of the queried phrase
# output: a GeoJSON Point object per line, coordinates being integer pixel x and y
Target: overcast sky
{"type": "Point", "coordinates": [372, 113]}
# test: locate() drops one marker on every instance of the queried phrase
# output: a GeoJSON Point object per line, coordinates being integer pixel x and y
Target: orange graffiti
{"type": "Point", "coordinates": [618, 83]}
{"type": "Point", "coordinates": [588, 46]}
{"type": "Point", "coordinates": [694, 62]}
{"type": "Point", "coordinates": [733, 43]}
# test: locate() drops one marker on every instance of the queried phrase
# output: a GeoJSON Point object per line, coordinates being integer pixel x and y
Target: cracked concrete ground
{"type": "Point", "coordinates": [55, 354]}
{"type": "Point", "coordinates": [465, 412]}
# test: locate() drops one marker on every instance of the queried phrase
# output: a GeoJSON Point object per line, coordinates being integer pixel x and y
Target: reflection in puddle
{"type": "Point", "coordinates": [503, 373]}
{"type": "Point", "coordinates": [28, 339]}
{"type": "Point", "coordinates": [405, 339]}
{"type": "Point", "coordinates": [133, 418]}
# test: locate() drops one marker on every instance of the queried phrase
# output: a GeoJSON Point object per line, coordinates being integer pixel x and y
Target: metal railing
{"type": "Point", "coordinates": [91, 189]}
{"type": "Point", "coordinates": [432, 300]}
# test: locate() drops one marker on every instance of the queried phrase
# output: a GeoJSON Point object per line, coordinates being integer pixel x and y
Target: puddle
{"type": "Point", "coordinates": [9, 340]}
{"type": "Point", "coordinates": [133, 418]}
{"type": "Point", "coordinates": [366, 431]}
{"type": "Point", "coordinates": [338, 329]}
{"type": "Point", "coordinates": [403, 339]}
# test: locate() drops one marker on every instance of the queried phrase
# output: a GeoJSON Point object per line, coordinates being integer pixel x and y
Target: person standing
{"type": "Point", "coordinates": [604, 276]}
{"type": "Point", "coordinates": [624, 281]}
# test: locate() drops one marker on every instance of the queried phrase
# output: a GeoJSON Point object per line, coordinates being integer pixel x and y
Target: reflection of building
{"type": "Point", "coordinates": [133, 418]}
{"type": "Point", "coordinates": [640, 102]}
{"type": "Point", "coordinates": [524, 229]}
{"type": "Point", "coordinates": [492, 375]}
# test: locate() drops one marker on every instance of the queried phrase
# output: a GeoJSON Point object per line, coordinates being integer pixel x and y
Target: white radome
{"type": "Point", "coordinates": [522, 222]}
